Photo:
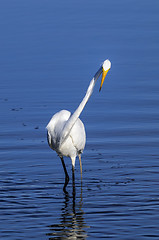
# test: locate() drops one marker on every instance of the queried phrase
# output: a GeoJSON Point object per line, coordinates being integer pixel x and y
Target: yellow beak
{"type": "Point", "coordinates": [103, 78]}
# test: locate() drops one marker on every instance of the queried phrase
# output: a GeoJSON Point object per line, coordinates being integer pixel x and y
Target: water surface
{"type": "Point", "coordinates": [49, 53]}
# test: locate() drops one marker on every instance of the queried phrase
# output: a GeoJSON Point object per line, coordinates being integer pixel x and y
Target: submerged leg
{"type": "Point", "coordinates": [66, 174]}
{"type": "Point", "coordinates": [80, 164]}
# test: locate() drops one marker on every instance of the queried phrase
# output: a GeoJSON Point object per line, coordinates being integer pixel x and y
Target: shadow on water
{"type": "Point", "coordinates": [72, 223]}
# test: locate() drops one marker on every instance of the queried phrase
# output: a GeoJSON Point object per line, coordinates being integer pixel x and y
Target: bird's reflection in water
{"type": "Point", "coordinates": [72, 224]}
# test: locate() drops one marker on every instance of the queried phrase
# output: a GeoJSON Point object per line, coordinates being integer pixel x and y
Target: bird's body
{"type": "Point", "coordinates": [65, 131]}
{"type": "Point", "coordinates": [74, 143]}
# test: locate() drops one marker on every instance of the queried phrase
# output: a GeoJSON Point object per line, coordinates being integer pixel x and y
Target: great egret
{"type": "Point", "coordinates": [65, 131]}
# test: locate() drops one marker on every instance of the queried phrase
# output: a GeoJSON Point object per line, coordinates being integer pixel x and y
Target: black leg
{"type": "Point", "coordinates": [73, 176]}
{"type": "Point", "coordinates": [73, 182]}
{"type": "Point", "coordinates": [66, 175]}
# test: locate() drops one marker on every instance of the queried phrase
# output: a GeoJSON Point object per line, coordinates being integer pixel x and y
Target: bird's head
{"type": "Point", "coordinates": [106, 67]}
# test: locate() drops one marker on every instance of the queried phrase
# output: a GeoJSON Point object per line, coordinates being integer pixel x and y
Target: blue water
{"type": "Point", "coordinates": [49, 51]}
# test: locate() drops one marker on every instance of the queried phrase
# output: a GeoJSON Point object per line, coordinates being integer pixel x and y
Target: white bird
{"type": "Point", "coordinates": [65, 131]}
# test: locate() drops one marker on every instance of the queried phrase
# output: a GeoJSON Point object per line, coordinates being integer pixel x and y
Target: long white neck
{"type": "Point", "coordinates": [73, 118]}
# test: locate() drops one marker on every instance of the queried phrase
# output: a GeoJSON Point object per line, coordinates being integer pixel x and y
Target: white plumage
{"type": "Point", "coordinates": [66, 132]}
{"type": "Point", "coordinates": [74, 144]}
